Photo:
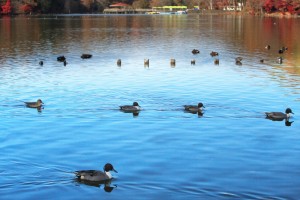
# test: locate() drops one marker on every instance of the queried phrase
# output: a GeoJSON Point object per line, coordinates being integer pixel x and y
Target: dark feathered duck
{"type": "Point", "coordinates": [96, 175]}
{"type": "Point", "coordinates": [36, 104]}
{"type": "Point", "coordinates": [131, 108]}
{"type": "Point", "coordinates": [279, 116]}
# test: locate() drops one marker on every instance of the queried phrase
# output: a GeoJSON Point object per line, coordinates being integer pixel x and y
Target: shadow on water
{"type": "Point", "coordinates": [134, 113]}
{"type": "Point", "coordinates": [107, 187]}
{"type": "Point", "coordinates": [286, 121]}
{"type": "Point", "coordinates": [199, 113]}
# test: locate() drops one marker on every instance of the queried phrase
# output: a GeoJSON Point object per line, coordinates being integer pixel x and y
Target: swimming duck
{"type": "Point", "coordinates": [267, 47]}
{"type": "Point", "coordinates": [194, 108]}
{"type": "Point", "coordinates": [61, 58]}
{"type": "Point", "coordinates": [86, 56]}
{"type": "Point", "coordinates": [146, 62]}
{"type": "Point", "coordinates": [193, 62]}
{"type": "Point", "coordinates": [282, 50]}
{"type": "Point", "coordinates": [238, 60]}
{"type": "Point", "coordinates": [279, 116]}
{"type": "Point", "coordinates": [173, 62]}
{"type": "Point", "coordinates": [119, 62]}
{"type": "Point", "coordinates": [36, 104]}
{"type": "Point", "coordinates": [131, 108]}
{"type": "Point", "coordinates": [41, 63]}
{"type": "Point", "coordinates": [216, 61]}
{"type": "Point", "coordinates": [195, 51]}
{"type": "Point", "coordinates": [96, 175]}
{"type": "Point", "coordinates": [213, 53]}
{"type": "Point", "coordinates": [279, 60]}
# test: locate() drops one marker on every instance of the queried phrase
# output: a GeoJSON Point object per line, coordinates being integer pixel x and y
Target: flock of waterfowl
{"type": "Point", "coordinates": [96, 176]}
{"type": "Point", "coordinates": [135, 108]}
{"type": "Point", "coordinates": [238, 60]}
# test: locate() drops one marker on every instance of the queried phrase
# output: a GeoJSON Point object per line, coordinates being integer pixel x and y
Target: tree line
{"type": "Point", "coordinates": [97, 6]}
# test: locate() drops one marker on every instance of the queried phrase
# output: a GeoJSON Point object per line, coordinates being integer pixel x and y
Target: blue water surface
{"type": "Point", "coordinates": [231, 152]}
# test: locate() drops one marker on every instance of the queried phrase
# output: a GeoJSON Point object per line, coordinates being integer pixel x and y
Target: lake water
{"type": "Point", "coordinates": [231, 152]}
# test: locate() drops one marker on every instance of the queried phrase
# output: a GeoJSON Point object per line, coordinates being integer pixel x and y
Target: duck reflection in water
{"type": "Point", "coordinates": [288, 123]}
{"type": "Point", "coordinates": [134, 113]}
{"type": "Point", "coordinates": [107, 184]}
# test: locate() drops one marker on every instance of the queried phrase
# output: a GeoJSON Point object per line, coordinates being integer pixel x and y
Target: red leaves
{"type": "Point", "coordinates": [7, 9]}
{"type": "Point", "coordinates": [291, 6]}
{"type": "Point", "coordinates": [27, 8]}
{"type": "Point", "coordinates": [269, 6]}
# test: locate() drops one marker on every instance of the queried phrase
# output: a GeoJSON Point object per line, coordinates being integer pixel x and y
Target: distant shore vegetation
{"type": "Point", "coordinates": [255, 7]}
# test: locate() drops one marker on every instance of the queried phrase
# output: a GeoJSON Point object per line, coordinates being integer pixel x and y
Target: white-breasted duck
{"type": "Point", "coordinates": [131, 108]}
{"type": "Point", "coordinates": [195, 51]}
{"type": "Point", "coordinates": [279, 116]}
{"type": "Point", "coordinates": [96, 175]}
{"type": "Point", "coordinates": [194, 108]}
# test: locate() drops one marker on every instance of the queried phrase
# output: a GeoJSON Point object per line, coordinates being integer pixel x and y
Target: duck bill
{"type": "Point", "coordinates": [115, 170]}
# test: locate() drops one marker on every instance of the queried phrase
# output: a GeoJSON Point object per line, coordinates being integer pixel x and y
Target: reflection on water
{"type": "Point", "coordinates": [107, 186]}
{"type": "Point", "coordinates": [134, 113]}
{"type": "Point", "coordinates": [218, 154]}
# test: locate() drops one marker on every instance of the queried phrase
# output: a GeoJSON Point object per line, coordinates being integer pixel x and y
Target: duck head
{"type": "Point", "coordinates": [39, 102]}
{"type": "Point", "coordinates": [288, 112]}
{"type": "Point", "coordinates": [135, 104]}
{"type": "Point", "coordinates": [200, 105]}
{"type": "Point", "coordinates": [108, 167]}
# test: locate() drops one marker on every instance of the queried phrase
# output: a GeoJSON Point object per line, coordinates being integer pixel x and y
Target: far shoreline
{"type": "Point", "coordinates": [201, 12]}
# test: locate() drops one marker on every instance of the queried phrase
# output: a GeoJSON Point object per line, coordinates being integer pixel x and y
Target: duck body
{"type": "Point", "coordinates": [93, 175]}
{"type": "Point", "coordinates": [267, 47]}
{"type": "Point", "coordinates": [217, 61]}
{"type": "Point", "coordinates": [131, 108]}
{"type": "Point", "coordinates": [96, 175]}
{"type": "Point", "coordinates": [36, 104]}
{"type": "Point", "coordinates": [279, 116]}
{"type": "Point", "coordinates": [61, 58]}
{"type": "Point", "coordinates": [195, 51]}
{"type": "Point", "coordinates": [119, 62]}
{"type": "Point", "coordinates": [282, 50]}
{"type": "Point", "coordinates": [86, 56]}
{"type": "Point", "coordinates": [213, 53]}
{"type": "Point", "coordinates": [172, 62]}
{"type": "Point", "coordinates": [238, 60]}
{"type": "Point", "coordinates": [194, 108]}
{"type": "Point", "coordinates": [146, 62]}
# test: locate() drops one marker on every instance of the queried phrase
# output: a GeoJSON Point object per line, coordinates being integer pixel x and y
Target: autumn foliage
{"type": "Point", "coordinates": [81, 6]}
{"type": "Point", "coordinates": [291, 6]}
{"type": "Point", "coordinates": [7, 8]}
{"type": "Point", "coordinates": [27, 8]}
